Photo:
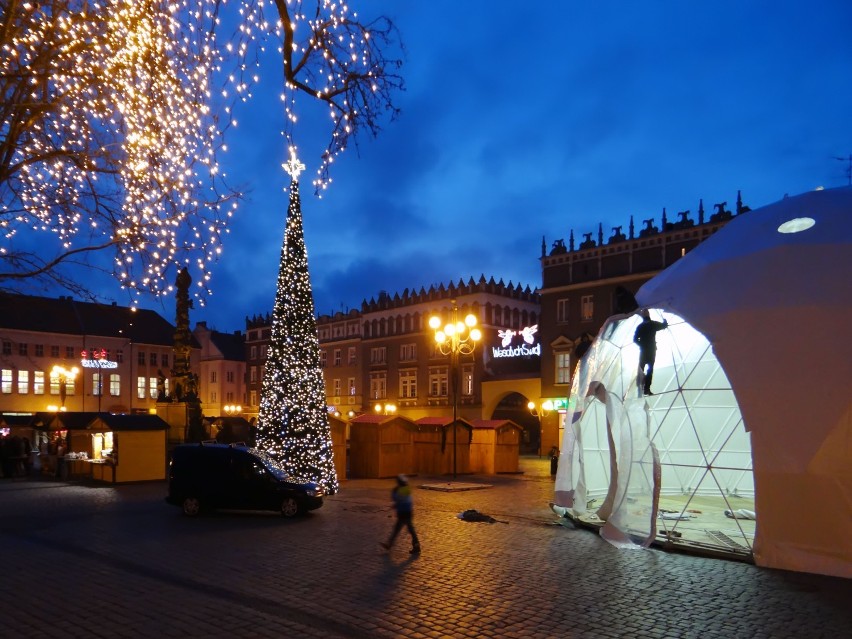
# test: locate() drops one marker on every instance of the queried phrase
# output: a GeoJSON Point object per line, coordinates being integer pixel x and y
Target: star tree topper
{"type": "Point", "coordinates": [293, 167]}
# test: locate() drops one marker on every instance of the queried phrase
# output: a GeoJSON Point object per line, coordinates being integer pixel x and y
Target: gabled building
{"type": "Point", "coordinates": [122, 356]}
{"type": "Point", "coordinates": [221, 370]}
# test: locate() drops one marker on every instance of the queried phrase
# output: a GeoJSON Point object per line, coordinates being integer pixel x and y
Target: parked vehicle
{"type": "Point", "coordinates": [208, 475]}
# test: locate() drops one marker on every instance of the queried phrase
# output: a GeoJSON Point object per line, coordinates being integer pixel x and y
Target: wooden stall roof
{"type": "Point", "coordinates": [443, 422]}
{"type": "Point", "coordinates": [372, 418]}
{"type": "Point", "coordinates": [65, 420]}
{"type": "Point", "coordinates": [108, 421]}
{"type": "Point", "coordinates": [16, 420]}
{"type": "Point", "coordinates": [494, 424]}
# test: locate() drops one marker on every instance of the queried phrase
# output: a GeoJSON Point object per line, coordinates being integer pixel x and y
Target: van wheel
{"type": "Point", "coordinates": [289, 507]}
{"type": "Point", "coordinates": [191, 506]}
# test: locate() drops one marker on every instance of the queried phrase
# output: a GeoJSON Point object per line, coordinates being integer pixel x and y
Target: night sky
{"type": "Point", "coordinates": [524, 120]}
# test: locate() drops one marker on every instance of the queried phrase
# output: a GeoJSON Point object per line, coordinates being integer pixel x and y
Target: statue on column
{"type": "Point", "coordinates": [182, 339]}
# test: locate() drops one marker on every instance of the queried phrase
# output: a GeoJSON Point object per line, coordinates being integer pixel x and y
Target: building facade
{"type": "Point", "coordinates": [60, 353]}
{"type": "Point", "coordinates": [221, 370]}
{"type": "Point", "coordinates": [384, 357]}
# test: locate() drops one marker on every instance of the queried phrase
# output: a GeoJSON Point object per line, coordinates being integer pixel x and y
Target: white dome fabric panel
{"type": "Point", "coordinates": [776, 308]}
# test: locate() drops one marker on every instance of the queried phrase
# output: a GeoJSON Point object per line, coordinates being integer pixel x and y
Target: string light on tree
{"type": "Point", "coordinates": [114, 119]}
{"type": "Point", "coordinates": [292, 423]}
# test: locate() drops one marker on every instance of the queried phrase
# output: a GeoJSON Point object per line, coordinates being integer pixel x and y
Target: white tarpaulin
{"type": "Point", "coordinates": [776, 307]}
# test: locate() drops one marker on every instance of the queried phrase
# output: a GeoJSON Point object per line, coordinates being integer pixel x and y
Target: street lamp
{"type": "Point", "coordinates": [455, 339]}
{"type": "Point", "coordinates": [232, 409]}
{"type": "Point", "coordinates": [384, 409]}
{"type": "Point", "coordinates": [540, 411]}
{"type": "Point", "coordinates": [65, 375]}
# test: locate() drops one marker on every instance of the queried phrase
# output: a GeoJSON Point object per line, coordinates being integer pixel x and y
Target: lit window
{"type": "Point", "coordinates": [438, 382]}
{"type": "Point", "coordinates": [6, 380]}
{"type": "Point", "coordinates": [563, 368]}
{"type": "Point", "coordinates": [140, 387]}
{"type": "Point", "coordinates": [97, 382]}
{"type": "Point", "coordinates": [587, 307]}
{"type": "Point", "coordinates": [152, 387]}
{"type": "Point", "coordinates": [115, 384]}
{"type": "Point", "coordinates": [23, 382]}
{"type": "Point", "coordinates": [408, 384]}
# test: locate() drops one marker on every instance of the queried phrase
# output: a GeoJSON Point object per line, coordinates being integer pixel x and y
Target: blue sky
{"type": "Point", "coordinates": [523, 120]}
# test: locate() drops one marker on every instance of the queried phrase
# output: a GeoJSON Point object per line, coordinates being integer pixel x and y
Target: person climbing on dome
{"type": "Point", "coordinates": [646, 338]}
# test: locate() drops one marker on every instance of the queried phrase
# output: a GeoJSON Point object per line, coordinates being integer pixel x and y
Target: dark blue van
{"type": "Point", "coordinates": [206, 476]}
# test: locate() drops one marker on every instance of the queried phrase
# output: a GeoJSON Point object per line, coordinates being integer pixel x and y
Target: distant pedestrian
{"type": "Point", "coordinates": [404, 506]}
{"type": "Point", "coordinates": [646, 338]}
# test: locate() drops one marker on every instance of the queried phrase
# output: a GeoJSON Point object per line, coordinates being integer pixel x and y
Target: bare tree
{"type": "Point", "coordinates": [113, 118]}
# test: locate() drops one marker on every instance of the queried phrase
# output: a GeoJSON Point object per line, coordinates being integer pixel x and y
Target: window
{"type": "Point", "coordinates": [69, 352]}
{"type": "Point", "coordinates": [378, 355]}
{"type": "Point", "coordinates": [562, 311]}
{"type": "Point", "coordinates": [351, 385]}
{"type": "Point", "coordinates": [39, 350]}
{"type": "Point", "coordinates": [324, 358]}
{"type": "Point", "coordinates": [467, 381]}
{"type": "Point", "coordinates": [7, 347]}
{"type": "Point", "coordinates": [38, 382]}
{"type": "Point", "coordinates": [115, 384]}
{"type": "Point", "coordinates": [408, 384]}
{"type": "Point", "coordinates": [253, 374]}
{"type": "Point", "coordinates": [153, 359]}
{"type": "Point", "coordinates": [22, 349]}
{"type": "Point", "coordinates": [164, 359]}
{"type": "Point", "coordinates": [352, 356]}
{"type": "Point", "coordinates": [97, 384]}
{"type": "Point", "coordinates": [253, 352]}
{"type": "Point", "coordinates": [152, 387]}
{"type": "Point", "coordinates": [212, 397]}
{"type": "Point", "coordinates": [378, 386]}
{"type": "Point", "coordinates": [338, 357]}
{"type": "Point", "coordinates": [54, 351]}
{"type": "Point", "coordinates": [407, 352]}
{"type": "Point", "coordinates": [140, 387]}
{"type": "Point", "coordinates": [70, 386]}
{"type": "Point", "coordinates": [140, 358]}
{"type": "Point", "coordinates": [212, 377]}
{"type": "Point", "coordinates": [438, 382]}
{"type": "Point", "coordinates": [119, 356]}
{"type": "Point", "coordinates": [563, 368]}
{"type": "Point", "coordinates": [587, 307]}
{"type": "Point", "coordinates": [229, 397]}
{"type": "Point", "coordinates": [6, 379]}
{"type": "Point", "coordinates": [263, 350]}
{"type": "Point", "coordinates": [335, 385]}
{"type": "Point", "coordinates": [229, 376]}
{"type": "Point", "coordinates": [54, 383]}
{"type": "Point", "coordinates": [253, 398]}
{"type": "Point", "coordinates": [23, 382]}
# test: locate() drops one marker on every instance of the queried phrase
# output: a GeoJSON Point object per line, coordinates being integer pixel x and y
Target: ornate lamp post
{"type": "Point", "coordinates": [385, 409]}
{"type": "Point", "coordinates": [540, 411]}
{"type": "Point", "coordinates": [455, 339]}
{"type": "Point", "coordinates": [65, 375]}
{"type": "Point", "coordinates": [232, 409]}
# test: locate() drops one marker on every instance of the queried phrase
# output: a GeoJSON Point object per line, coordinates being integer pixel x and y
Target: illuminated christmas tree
{"type": "Point", "coordinates": [292, 424]}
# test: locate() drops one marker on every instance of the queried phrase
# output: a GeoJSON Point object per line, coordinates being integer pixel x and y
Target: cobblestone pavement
{"type": "Point", "coordinates": [93, 560]}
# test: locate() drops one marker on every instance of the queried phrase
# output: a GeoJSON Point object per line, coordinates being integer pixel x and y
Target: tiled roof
{"type": "Point", "coordinates": [494, 423]}
{"type": "Point", "coordinates": [231, 345]}
{"type": "Point", "coordinates": [66, 316]}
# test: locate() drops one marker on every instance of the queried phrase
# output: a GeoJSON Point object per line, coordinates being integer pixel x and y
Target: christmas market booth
{"type": "Point", "coordinates": [338, 441]}
{"type": "Point", "coordinates": [437, 440]}
{"type": "Point", "coordinates": [381, 446]}
{"type": "Point", "coordinates": [495, 446]}
{"type": "Point", "coordinates": [103, 446]}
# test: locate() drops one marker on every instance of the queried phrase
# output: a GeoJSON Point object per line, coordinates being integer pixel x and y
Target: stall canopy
{"type": "Point", "coordinates": [752, 389]}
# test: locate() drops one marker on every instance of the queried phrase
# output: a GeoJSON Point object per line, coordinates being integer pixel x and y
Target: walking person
{"type": "Point", "coordinates": [404, 506]}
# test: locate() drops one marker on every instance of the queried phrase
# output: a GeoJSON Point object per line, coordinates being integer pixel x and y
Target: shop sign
{"type": "Point", "coordinates": [522, 343]}
{"type": "Point", "coordinates": [96, 358]}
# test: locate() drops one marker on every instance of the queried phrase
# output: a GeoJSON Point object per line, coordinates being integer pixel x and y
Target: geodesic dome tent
{"type": "Point", "coordinates": [752, 396]}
